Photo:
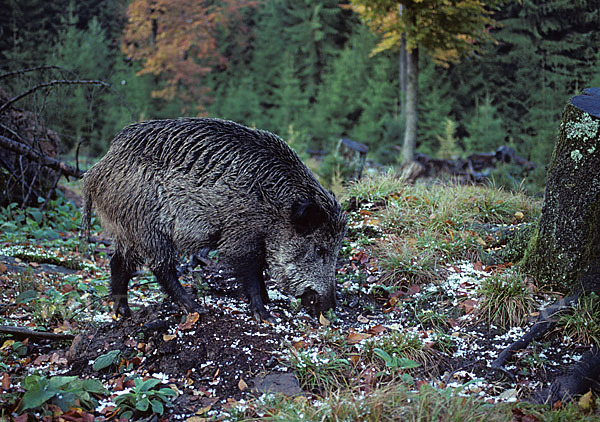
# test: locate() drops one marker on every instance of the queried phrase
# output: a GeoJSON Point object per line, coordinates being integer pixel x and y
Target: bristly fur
{"type": "Point", "coordinates": [179, 186]}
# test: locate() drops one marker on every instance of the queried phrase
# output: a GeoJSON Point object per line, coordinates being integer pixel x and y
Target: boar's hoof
{"type": "Point", "coordinates": [122, 309]}
{"type": "Point", "coordinates": [260, 315]}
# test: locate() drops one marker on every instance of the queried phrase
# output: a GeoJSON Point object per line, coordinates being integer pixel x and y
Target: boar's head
{"type": "Point", "coordinates": [302, 252]}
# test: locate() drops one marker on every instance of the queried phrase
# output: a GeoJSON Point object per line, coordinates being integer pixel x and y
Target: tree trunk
{"type": "Point", "coordinates": [565, 249]}
{"type": "Point", "coordinates": [402, 64]}
{"type": "Point", "coordinates": [410, 132]}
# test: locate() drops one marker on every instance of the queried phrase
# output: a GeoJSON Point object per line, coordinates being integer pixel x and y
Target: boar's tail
{"type": "Point", "coordinates": [86, 218]}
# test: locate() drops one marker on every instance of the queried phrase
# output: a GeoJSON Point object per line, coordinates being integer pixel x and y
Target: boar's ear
{"type": "Point", "coordinates": [307, 215]}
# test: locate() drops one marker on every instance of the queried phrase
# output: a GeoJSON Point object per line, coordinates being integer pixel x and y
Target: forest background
{"type": "Point", "coordinates": [303, 69]}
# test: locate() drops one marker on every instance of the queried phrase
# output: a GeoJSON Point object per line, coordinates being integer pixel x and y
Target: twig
{"type": "Point", "coordinates": [52, 83]}
{"type": "Point", "coordinates": [25, 332]}
{"type": "Point", "coordinates": [27, 151]}
{"type": "Point", "coordinates": [34, 69]}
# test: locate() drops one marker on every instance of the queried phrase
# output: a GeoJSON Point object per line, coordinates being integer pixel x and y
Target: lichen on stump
{"type": "Point", "coordinates": [566, 245]}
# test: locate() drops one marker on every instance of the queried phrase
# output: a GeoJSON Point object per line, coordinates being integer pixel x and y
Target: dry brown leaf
{"type": "Point", "coordinates": [354, 338]}
{"type": "Point", "coordinates": [324, 321]}
{"type": "Point", "coordinates": [376, 330]}
{"type": "Point", "coordinates": [299, 345]}
{"type": "Point", "coordinates": [5, 381]}
{"type": "Point", "coordinates": [468, 305]}
{"type": "Point", "coordinates": [168, 337]}
{"type": "Point", "coordinates": [2, 267]}
{"type": "Point", "coordinates": [242, 385]}
{"type": "Point", "coordinates": [354, 359]}
{"type": "Point", "coordinates": [190, 321]}
{"type": "Point", "coordinates": [362, 319]}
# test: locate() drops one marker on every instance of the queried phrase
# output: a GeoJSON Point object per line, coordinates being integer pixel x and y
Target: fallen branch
{"type": "Point", "coordinates": [34, 155]}
{"type": "Point", "coordinates": [25, 332]}
{"type": "Point", "coordinates": [49, 84]}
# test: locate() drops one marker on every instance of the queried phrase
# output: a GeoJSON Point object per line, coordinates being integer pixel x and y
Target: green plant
{"type": "Point", "coordinates": [507, 299]}
{"type": "Point", "coordinates": [431, 319]}
{"type": "Point", "coordinates": [318, 370]}
{"type": "Point", "coordinates": [106, 360]}
{"type": "Point", "coordinates": [64, 392]}
{"type": "Point", "coordinates": [582, 325]}
{"type": "Point", "coordinates": [143, 399]}
{"type": "Point", "coordinates": [399, 350]}
{"type": "Point", "coordinates": [397, 364]}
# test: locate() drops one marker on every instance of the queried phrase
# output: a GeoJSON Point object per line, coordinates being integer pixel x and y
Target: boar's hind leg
{"type": "Point", "coordinates": [121, 271]}
{"type": "Point", "coordinates": [166, 274]}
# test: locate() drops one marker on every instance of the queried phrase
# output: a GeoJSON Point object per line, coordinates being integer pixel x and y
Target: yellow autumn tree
{"type": "Point", "coordinates": [445, 29]}
{"type": "Point", "coordinates": [177, 41]}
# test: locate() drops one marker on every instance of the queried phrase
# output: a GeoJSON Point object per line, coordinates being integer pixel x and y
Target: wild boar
{"type": "Point", "coordinates": [168, 187]}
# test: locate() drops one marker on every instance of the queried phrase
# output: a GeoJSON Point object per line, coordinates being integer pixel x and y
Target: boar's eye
{"type": "Point", "coordinates": [307, 215]}
{"type": "Point", "coordinates": [322, 251]}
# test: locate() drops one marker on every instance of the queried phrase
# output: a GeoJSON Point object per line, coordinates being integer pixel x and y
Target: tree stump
{"type": "Point", "coordinates": [565, 249]}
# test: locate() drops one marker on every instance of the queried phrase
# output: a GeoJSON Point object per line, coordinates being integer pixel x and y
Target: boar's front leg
{"type": "Point", "coordinates": [166, 274]}
{"type": "Point", "coordinates": [255, 289]}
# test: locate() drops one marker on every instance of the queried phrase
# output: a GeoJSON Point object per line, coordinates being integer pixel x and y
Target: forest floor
{"type": "Point", "coordinates": [412, 338]}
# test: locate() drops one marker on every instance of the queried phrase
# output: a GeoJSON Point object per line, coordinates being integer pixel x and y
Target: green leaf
{"type": "Point", "coordinates": [106, 360]}
{"type": "Point", "coordinates": [148, 385]}
{"type": "Point", "coordinates": [142, 405]}
{"type": "Point", "coordinates": [27, 296]}
{"type": "Point", "coordinates": [65, 400]}
{"type": "Point", "coordinates": [37, 392]}
{"type": "Point", "coordinates": [36, 214]}
{"type": "Point", "coordinates": [93, 386]}
{"type": "Point", "coordinates": [157, 407]}
{"type": "Point", "coordinates": [169, 392]}
{"type": "Point", "coordinates": [407, 363]}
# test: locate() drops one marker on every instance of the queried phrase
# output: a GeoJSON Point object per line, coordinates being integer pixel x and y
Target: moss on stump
{"type": "Point", "coordinates": [566, 245]}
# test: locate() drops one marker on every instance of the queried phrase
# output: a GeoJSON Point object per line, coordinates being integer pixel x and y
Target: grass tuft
{"type": "Point", "coordinates": [583, 324]}
{"type": "Point", "coordinates": [507, 299]}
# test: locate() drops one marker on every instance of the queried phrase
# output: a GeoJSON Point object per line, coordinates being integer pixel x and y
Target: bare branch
{"type": "Point", "coordinates": [32, 154]}
{"type": "Point", "coordinates": [52, 83]}
{"type": "Point", "coordinates": [35, 69]}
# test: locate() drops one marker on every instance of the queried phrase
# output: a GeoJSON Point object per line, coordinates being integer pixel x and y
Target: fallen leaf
{"type": "Point", "coordinates": [299, 345]}
{"type": "Point", "coordinates": [324, 321]}
{"type": "Point", "coordinates": [519, 215]}
{"type": "Point", "coordinates": [190, 321]}
{"type": "Point", "coordinates": [5, 381]}
{"type": "Point", "coordinates": [195, 419]}
{"type": "Point", "coordinates": [362, 319]}
{"type": "Point", "coordinates": [354, 359]}
{"type": "Point", "coordinates": [34, 264]}
{"type": "Point", "coordinates": [586, 402]}
{"type": "Point", "coordinates": [364, 212]}
{"type": "Point", "coordinates": [376, 330]}
{"type": "Point", "coordinates": [478, 266]}
{"type": "Point", "coordinates": [2, 267]}
{"type": "Point", "coordinates": [203, 410]}
{"type": "Point", "coordinates": [242, 385]}
{"type": "Point", "coordinates": [354, 338]}
{"type": "Point", "coordinates": [468, 305]}
{"type": "Point", "coordinates": [168, 337]}
{"type": "Point", "coordinates": [557, 404]}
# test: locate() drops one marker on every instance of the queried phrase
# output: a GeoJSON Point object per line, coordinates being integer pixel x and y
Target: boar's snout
{"type": "Point", "coordinates": [317, 304]}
